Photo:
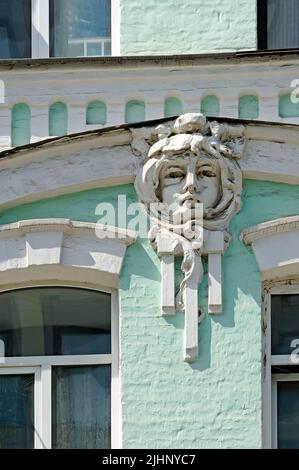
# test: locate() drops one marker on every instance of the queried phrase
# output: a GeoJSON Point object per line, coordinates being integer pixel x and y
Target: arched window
{"type": "Point", "coordinates": [135, 111]}
{"type": "Point", "coordinates": [20, 125]}
{"type": "Point", "coordinates": [172, 107]}
{"type": "Point", "coordinates": [248, 107]}
{"type": "Point", "coordinates": [96, 113]}
{"type": "Point", "coordinates": [287, 106]}
{"type": "Point", "coordinates": [58, 119]}
{"type": "Point", "coordinates": [210, 106]}
{"type": "Point", "coordinates": [57, 351]}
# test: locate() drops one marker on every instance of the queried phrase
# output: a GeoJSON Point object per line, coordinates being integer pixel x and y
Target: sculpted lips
{"type": "Point", "coordinates": [188, 197]}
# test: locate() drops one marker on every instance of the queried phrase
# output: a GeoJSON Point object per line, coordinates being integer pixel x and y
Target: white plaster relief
{"type": "Point", "coordinates": [276, 247]}
{"type": "Point", "coordinates": [65, 243]}
{"type": "Point", "coordinates": [189, 169]}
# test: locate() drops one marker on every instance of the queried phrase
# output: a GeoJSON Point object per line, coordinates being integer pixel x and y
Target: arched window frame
{"type": "Point", "coordinates": [38, 253]}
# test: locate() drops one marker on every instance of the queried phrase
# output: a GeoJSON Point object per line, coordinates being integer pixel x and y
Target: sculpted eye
{"type": "Point", "coordinates": [208, 173]}
{"type": "Point", "coordinates": [174, 173]}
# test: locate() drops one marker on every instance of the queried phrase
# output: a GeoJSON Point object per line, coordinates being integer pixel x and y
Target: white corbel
{"type": "Point", "coordinates": [214, 248]}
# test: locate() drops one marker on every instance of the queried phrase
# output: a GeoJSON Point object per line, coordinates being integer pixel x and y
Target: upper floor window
{"type": "Point", "coordinates": [15, 29]}
{"type": "Point", "coordinates": [278, 24]}
{"type": "Point", "coordinates": [80, 28]}
{"type": "Point", "coordinates": [55, 28]}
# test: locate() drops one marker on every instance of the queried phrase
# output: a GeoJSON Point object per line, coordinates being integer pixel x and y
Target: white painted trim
{"type": "Point", "coordinates": [273, 401]}
{"type": "Point", "coordinates": [269, 386]}
{"type": "Point", "coordinates": [116, 419]}
{"type": "Point", "coordinates": [36, 372]}
{"type": "Point", "coordinates": [46, 361]}
{"type": "Point", "coordinates": [46, 405]}
{"type": "Point", "coordinates": [266, 372]}
{"type": "Point", "coordinates": [48, 249]}
{"type": "Point", "coordinates": [40, 28]}
{"type": "Point", "coordinates": [115, 27]}
{"type": "Point", "coordinates": [68, 226]}
{"type": "Point", "coordinates": [276, 247]}
{"type": "Point", "coordinates": [281, 360]}
{"type": "Point", "coordinates": [275, 379]}
{"type": "Point", "coordinates": [269, 228]}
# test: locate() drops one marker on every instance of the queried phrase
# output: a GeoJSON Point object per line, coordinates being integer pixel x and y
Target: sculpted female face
{"type": "Point", "coordinates": [187, 180]}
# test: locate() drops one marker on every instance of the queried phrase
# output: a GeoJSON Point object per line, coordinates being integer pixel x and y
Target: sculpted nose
{"type": "Point", "coordinates": [190, 184]}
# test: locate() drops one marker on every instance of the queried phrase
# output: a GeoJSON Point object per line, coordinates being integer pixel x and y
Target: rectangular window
{"type": "Point", "coordinates": [58, 369]}
{"type": "Point", "coordinates": [58, 28]}
{"type": "Point", "coordinates": [281, 408]}
{"type": "Point", "coordinates": [15, 29]}
{"type": "Point", "coordinates": [80, 28]}
{"type": "Point", "coordinates": [278, 24]}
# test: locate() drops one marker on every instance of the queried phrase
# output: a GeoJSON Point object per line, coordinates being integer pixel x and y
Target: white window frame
{"type": "Point", "coordinates": [275, 379]}
{"type": "Point", "coordinates": [269, 388]}
{"type": "Point", "coordinates": [41, 367]}
{"type": "Point", "coordinates": [40, 45]}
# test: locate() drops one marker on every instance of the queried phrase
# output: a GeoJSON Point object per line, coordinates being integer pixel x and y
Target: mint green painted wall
{"type": "Point", "coordinates": [173, 107]}
{"type": "Point", "coordinates": [58, 119]}
{"type": "Point", "coordinates": [286, 107]}
{"type": "Point", "coordinates": [210, 105]}
{"type": "Point", "coordinates": [196, 26]}
{"type": "Point", "coordinates": [135, 111]}
{"type": "Point", "coordinates": [20, 124]}
{"type": "Point", "coordinates": [96, 113]}
{"type": "Point", "coordinates": [248, 107]}
{"type": "Point", "coordinates": [215, 402]}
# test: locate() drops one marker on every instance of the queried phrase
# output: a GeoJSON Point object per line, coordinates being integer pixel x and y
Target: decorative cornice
{"type": "Point", "coordinates": [267, 229]}
{"type": "Point", "coordinates": [67, 226]}
{"type": "Point", "coordinates": [61, 249]}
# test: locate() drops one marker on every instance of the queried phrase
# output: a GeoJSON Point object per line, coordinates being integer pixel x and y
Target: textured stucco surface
{"type": "Point", "coordinates": [196, 26]}
{"type": "Point", "coordinates": [215, 402]}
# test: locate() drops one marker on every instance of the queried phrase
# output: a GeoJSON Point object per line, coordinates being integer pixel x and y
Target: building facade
{"type": "Point", "coordinates": [115, 332]}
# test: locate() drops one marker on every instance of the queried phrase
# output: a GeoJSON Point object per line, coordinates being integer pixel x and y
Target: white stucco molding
{"type": "Point", "coordinates": [276, 246]}
{"type": "Point", "coordinates": [102, 158]}
{"type": "Point", "coordinates": [48, 249]}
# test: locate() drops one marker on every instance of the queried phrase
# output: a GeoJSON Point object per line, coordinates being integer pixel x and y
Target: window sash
{"type": "Point", "coordinates": [36, 371]}
{"type": "Point", "coordinates": [269, 386]}
{"type": "Point", "coordinates": [41, 29]}
{"type": "Point", "coordinates": [275, 379]}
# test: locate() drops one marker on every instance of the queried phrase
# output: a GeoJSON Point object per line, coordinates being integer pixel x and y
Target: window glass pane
{"type": "Point", "coordinates": [16, 412]}
{"type": "Point", "coordinates": [288, 415]}
{"type": "Point", "coordinates": [284, 322]}
{"type": "Point", "coordinates": [80, 28]}
{"type": "Point", "coordinates": [78, 423]}
{"type": "Point", "coordinates": [283, 20]}
{"type": "Point", "coordinates": [55, 321]}
{"type": "Point", "coordinates": [15, 29]}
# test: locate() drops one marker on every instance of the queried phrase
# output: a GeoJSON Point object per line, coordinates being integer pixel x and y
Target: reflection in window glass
{"type": "Point", "coordinates": [15, 29]}
{"type": "Point", "coordinates": [80, 28]}
{"type": "Point", "coordinates": [16, 412]}
{"type": "Point", "coordinates": [78, 423]}
{"type": "Point", "coordinates": [284, 322]}
{"type": "Point", "coordinates": [288, 415]}
{"type": "Point", "coordinates": [55, 321]}
{"type": "Point", "coordinates": [283, 19]}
